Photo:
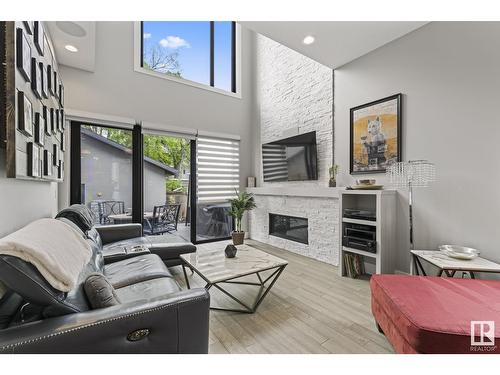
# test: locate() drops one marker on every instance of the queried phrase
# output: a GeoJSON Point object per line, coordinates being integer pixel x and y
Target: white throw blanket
{"type": "Point", "coordinates": [53, 247]}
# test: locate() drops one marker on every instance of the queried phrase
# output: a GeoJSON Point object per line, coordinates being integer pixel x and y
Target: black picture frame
{"type": "Point", "coordinates": [47, 163]}
{"type": "Point", "coordinates": [43, 77]}
{"type": "Point", "coordinates": [61, 94]}
{"type": "Point", "coordinates": [29, 26]}
{"type": "Point", "coordinates": [53, 124]}
{"type": "Point", "coordinates": [39, 37]}
{"type": "Point", "coordinates": [55, 90]}
{"type": "Point", "coordinates": [33, 152]}
{"type": "Point", "coordinates": [63, 143]}
{"type": "Point", "coordinates": [55, 154]}
{"type": "Point", "coordinates": [39, 129]}
{"type": "Point", "coordinates": [378, 162]}
{"type": "Point", "coordinates": [61, 120]}
{"type": "Point", "coordinates": [46, 120]}
{"type": "Point", "coordinates": [50, 77]}
{"type": "Point", "coordinates": [23, 54]}
{"type": "Point", "coordinates": [36, 79]}
{"type": "Point", "coordinates": [24, 114]}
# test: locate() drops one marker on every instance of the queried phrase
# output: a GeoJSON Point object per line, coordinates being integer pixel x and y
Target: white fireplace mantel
{"type": "Point", "coordinates": [303, 191]}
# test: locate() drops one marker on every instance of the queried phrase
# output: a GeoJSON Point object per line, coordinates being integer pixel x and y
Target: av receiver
{"type": "Point", "coordinates": [361, 237]}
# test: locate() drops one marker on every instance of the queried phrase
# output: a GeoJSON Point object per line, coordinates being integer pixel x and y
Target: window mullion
{"type": "Point", "coordinates": [212, 53]}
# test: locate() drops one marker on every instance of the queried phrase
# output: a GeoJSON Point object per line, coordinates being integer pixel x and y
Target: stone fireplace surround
{"type": "Point", "coordinates": [318, 205]}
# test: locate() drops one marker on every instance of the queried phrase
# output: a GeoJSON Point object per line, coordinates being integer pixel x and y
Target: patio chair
{"type": "Point", "coordinates": [107, 208]}
{"type": "Point", "coordinates": [165, 219]}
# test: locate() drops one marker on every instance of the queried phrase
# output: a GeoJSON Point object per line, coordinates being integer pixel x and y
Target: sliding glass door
{"type": "Point", "coordinates": [174, 185]}
{"type": "Point", "coordinates": [105, 170]}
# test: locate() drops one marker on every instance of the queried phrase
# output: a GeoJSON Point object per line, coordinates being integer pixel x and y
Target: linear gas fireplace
{"type": "Point", "coordinates": [290, 227]}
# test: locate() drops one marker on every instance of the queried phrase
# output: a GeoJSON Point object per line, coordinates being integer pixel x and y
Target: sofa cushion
{"type": "Point", "coordinates": [148, 289]}
{"type": "Point", "coordinates": [100, 292]}
{"type": "Point", "coordinates": [78, 214]}
{"type": "Point", "coordinates": [135, 270]}
{"type": "Point", "coordinates": [433, 314]}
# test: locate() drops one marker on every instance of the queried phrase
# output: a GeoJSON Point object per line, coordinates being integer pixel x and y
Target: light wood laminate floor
{"type": "Point", "coordinates": [310, 309]}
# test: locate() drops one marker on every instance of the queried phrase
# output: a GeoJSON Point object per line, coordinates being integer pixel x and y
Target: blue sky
{"type": "Point", "coordinates": [191, 39]}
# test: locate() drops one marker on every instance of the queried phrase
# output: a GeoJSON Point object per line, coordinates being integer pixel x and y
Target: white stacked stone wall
{"type": "Point", "coordinates": [295, 96]}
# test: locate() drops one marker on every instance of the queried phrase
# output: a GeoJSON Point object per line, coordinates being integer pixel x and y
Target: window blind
{"type": "Point", "coordinates": [218, 162]}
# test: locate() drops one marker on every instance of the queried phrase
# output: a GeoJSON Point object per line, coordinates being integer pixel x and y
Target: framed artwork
{"type": "Point", "coordinates": [61, 120]}
{"type": "Point", "coordinates": [53, 124]}
{"type": "Point", "coordinates": [55, 92]}
{"type": "Point", "coordinates": [47, 163]}
{"type": "Point", "coordinates": [29, 26]}
{"type": "Point", "coordinates": [39, 36]}
{"type": "Point", "coordinates": [25, 114]}
{"type": "Point", "coordinates": [46, 120]}
{"type": "Point", "coordinates": [43, 78]}
{"type": "Point", "coordinates": [375, 135]}
{"type": "Point", "coordinates": [36, 79]}
{"type": "Point", "coordinates": [50, 78]}
{"type": "Point", "coordinates": [63, 143]}
{"type": "Point", "coordinates": [56, 121]}
{"type": "Point", "coordinates": [23, 54]}
{"type": "Point", "coordinates": [55, 154]}
{"type": "Point", "coordinates": [60, 170]}
{"type": "Point", "coordinates": [61, 94]}
{"type": "Point", "coordinates": [39, 129]}
{"type": "Point", "coordinates": [33, 160]}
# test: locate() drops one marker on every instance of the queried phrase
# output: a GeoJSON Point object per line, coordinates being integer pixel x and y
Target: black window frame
{"type": "Point", "coordinates": [212, 55]}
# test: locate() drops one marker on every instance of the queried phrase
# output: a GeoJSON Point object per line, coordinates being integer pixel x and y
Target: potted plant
{"type": "Point", "coordinates": [334, 170]}
{"type": "Point", "coordinates": [243, 202]}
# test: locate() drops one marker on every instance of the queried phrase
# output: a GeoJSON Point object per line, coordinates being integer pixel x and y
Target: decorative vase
{"type": "Point", "coordinates": [238, 238]}
{"type": "Point", "coordinates": [332, 183]}
{"type": "Point", "coordinates": [230, 251]}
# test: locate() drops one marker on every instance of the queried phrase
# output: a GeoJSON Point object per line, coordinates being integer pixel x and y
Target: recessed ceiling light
{"type": "Point", "coordinates": [71, 48]}
{"type": "Point", "coordinates": [308, 39]}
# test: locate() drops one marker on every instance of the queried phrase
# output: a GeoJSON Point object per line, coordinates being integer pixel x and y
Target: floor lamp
{"type": "Point", "coordinates": [410, 174]}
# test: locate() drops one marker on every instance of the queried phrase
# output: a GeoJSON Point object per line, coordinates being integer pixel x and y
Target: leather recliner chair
{"type": "Point", "coordinates": [154, 316]}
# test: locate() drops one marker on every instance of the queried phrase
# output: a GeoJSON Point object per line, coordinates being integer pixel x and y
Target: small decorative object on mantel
{"type": "Point", "coordinates": [251, 182]}
{"type": "Point", "coordinates": [376, 135]}
{"type": "Point", "coordinates": [243, 202]}
{"type": "Point", "coordinates": [230, 251]}
{"type": "Point", "coordinates": [366, 184]}
{"type": "Point", "coordinates": [333, 171]}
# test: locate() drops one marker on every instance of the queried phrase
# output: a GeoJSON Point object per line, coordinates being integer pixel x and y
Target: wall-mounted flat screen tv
{"type": "Point", "coordinates": [291, 159]}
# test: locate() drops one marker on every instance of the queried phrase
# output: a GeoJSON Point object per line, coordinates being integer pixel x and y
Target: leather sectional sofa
{"type": "Point", "coordinates": [154, 314]}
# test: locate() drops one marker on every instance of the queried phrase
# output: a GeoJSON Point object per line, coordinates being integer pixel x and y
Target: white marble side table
{"type": "Point", "coordinates": [449, 266]}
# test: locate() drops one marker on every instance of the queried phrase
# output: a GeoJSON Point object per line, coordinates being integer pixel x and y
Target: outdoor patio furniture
{"type": "Point", "coordinates": [164, 220]}
{"type": "Point", "coordinates": [102, 209]}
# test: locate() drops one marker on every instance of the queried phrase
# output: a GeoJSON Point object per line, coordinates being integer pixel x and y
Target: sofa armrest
{"type": "Point", "coordinates": [177, 323]}
{"type": "Point", "coordinates": [119, 232]}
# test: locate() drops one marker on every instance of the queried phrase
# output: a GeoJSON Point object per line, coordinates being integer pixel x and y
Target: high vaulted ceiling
{"type": "Point", "coordinates": [336, 42]}
{"type": "Point", "coordinates": [81, 35]}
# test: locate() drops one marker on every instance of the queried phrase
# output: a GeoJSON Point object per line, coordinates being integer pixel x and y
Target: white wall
{"type": "Point", "coordinates": [22, 201]}
{"type": "Point", "coordinates": [449, 74]}
{"type": "Point", "coordinates": [114, 88]}
{"type": "Point", "coordinates": [294, 95]}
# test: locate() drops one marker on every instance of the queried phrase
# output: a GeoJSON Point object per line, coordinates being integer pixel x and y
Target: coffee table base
{"type": "Point", "coordinates": [260, 296]}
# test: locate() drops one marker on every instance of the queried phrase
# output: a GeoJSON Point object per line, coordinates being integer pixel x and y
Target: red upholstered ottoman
{"type": "Point", "coordinates": [421, 314]}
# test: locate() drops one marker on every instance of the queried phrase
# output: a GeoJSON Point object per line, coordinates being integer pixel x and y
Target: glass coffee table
{"type": "Point", "coordinates": [216, 270]}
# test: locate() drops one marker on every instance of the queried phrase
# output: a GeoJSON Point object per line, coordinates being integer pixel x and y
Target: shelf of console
{"type": "Point", "coordinates": [358, 221]}
{"type": "Point", "coordinates": [360, 252]}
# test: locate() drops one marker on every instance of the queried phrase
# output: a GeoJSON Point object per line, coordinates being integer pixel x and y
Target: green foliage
{"type": "Point", "coordinates": [243, 202]}
{"type": "Point", "coordinates": [174, 185]}
{"type": "Point", "coordinates": [167, 150]}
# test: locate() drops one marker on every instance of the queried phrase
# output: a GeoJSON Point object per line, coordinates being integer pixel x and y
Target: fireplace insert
{"type": "Point", "coordinates": [289, 227]}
